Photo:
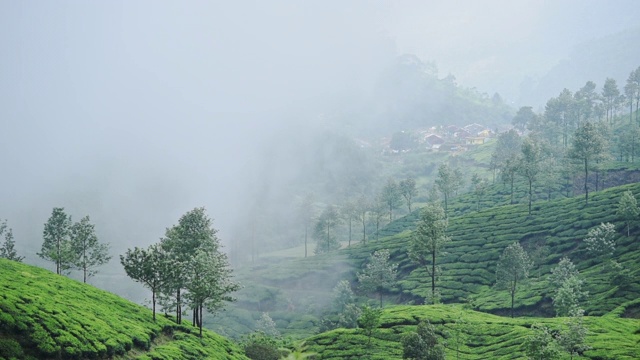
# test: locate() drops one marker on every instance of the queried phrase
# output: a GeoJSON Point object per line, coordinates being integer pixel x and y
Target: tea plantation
{"type": "Point", "coordinates": [46, 316]}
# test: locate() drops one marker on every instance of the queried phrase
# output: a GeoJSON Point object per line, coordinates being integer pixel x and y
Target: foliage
{"type": "Point", "coordinates": [408, 190]}
{"type": "Point", "coordinates": [542, 344]}
{"type": "Point", "coordinates": [423, 344]}
{"type": "Point", "coordinates": [260, 346]}
{"type": "Point", "coordinates": [574, 338]}
{"type": "Point", "coordinates": [513, 268]}
{"type": "Point", "coordinates": [391, 196]}
{"type": "Point", "coordinates": [567, 298]}
{"type": "Point", "coordinates": [628, 208]}
{"type": "Point", "coordinates": [88, 253]}
{"type": "Point", "coordinates": [56, 246]}
{"type": "Point", "coordinates": [369, 320]}
{"type": "Point", "coordinates": [600, 240]}
{"type": "Point", "coordinates": [588, 146]}
{"type": "Point", "coordinates": [324, 230]}
{"type": "Point", "coordinates": [428, 240]}
{"type": "Point", "coordinates": [51, 316]}
{"type": "Point", "coordinates": [148, 266]}
{"type": "Point", "coordinates": [267, 326]}
{"type": "Point", "coordinates": [448, 182]}
{"type": "Point", "coordinates": [529, 165]}
{"type": "Point", "coordinates": [7, 250]}
{"type": "Point", "coordinates": [378, 274]}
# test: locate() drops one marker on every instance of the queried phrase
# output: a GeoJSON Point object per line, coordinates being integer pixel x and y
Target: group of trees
{"type": "Point", "coordinates": [187, 268]}
{"type": "Point", "coordinates": [358, 212]}
{"type": "Point", "coordinates": [572, 136]}
{"type": "Point", "coordinates": [73, 245]}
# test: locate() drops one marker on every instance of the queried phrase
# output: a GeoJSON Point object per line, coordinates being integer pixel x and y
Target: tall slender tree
{"type": "Point", "coordinates": [408, 190]}
{"type": "Point", "coordinates": [428, 239]}
{"type": "Point", "coordinates": [378, 274]}
{"type": "Point", "coordinates": [448, 182]}
{"type": "Point", "coordinates": [88, 252]}
{"type": "Point", "coordinates": [391, 196]}
{"type": "Point", "coordinates": [628, 208]}
{"type": "Point", "coordinates": [588, 147]}
{"type": "Point", "coordinates": [56, 246]}
{"type": "Point", "coordinates": [513, 268]}
{"type": "Point", "coordinates": [529, 165]}
{"type": "Point", "coordinates": [610, 96]}
{"type": "Point", "coordinates": [150, 267]}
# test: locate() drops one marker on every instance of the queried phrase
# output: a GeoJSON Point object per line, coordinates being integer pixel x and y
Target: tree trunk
{"type": "Point", "coordinates": [512, 189]}
{"type": "Point", "coordinates": [530, 194]}
{"type": "Point", "coordinates": [153, 300]}
{"type": "Point", "coordinates": [433, 274]}
{"type": "Point", "coordinates": [178, 308]}
{"type": "Point", "coordinates": [380, 295]}
{"type": "Point", "coordinates": [364, 230]}
{"type": "Point", "coordinates": [586, 177]}
{"type": "Point", "coordinates": [349, 231]}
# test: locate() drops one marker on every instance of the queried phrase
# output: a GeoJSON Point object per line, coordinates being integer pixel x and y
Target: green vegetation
{"type": "Point", "coordinates": [43, 315]}
{"type": "Point", "coordinates": [486, 336]}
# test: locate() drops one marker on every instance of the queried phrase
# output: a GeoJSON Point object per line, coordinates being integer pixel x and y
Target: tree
{"type": "Point", "coordinates": [610, 95]}
{"type": "Point", "coordinates": [267, 326]}
{"type": "Point", "coordinates": [391, 196]}
{"type": "Point", "coordinates": [600, 240]}
{"type": "Point", "coordinates": [636, 80]}
{"type": "Point", "coordinates": [7, 250]}
{"type": "Point", "coordinates": [56, 246]}
{"type": "Point", "coordinates": [428, 239]}
{"type": "Point", "coordinates": [149, 267]}
{"type": "Point", "coordinates": [369, 321]}
{"type": "Point", "coordinates": [573, 339]}
{"type": "Point", "coordinates": [305, 211]}
{"type": "Point", "coordinates": [448, 182]}
{"type": "Point", "coordinates": [323, 232]}
{"type": "Point", "coordinates": [422, 344]}
{"type": "Point", "coordinates": [513, 268]}
{"type": "Point", "coordinates": [628, 208]}
{"type": "Point", "coordinates": [362, 207]}
{"type": "Point", "coordinates": [588, 146]}
{"type": "Point", "coordinates": [378, 274]}
{"type": "Point", "coordinates": [408, 190]}
{"type": "Point", "coordinates": [88, 252]}
{"type": "Point", "coordinates": [208, 282]}
{"type": "Point", "coordinates": [508, 171]}
{"type": "Point", "coordinates": [562, 272]}
{"type": "Point", "coordinates": [523, 118]}
{"type": "Point", "coordinates": [631, 90]}
{"type": "Point", "coordinates": [349, 213]}
{"type": "Point", "coordinates": [377, 209]}
{"type": "Point", "coordinates": [567, 298]}
{"type": "Point", "coordinates": [479, 187]}
{"type": "Point", "coordinates": [342, 295]}
{"type": "Point", "coordinates": [542, 344]}
{"type": "Point", "coordinates": [193, 232]}
{"type": "Point", "coordinates": [259, 346]}
{"type": "Point", "coordinates": [529, 165]}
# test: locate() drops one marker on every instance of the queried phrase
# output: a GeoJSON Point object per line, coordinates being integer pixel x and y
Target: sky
{"type": "Point", "coordinates": [134, 112]}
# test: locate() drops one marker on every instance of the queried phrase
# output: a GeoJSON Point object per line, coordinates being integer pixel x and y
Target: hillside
{"type": "Point", "coordinates": [296, 292]}
{"type": "Point", "coordinates": [473, 335]}
{"type": "Point", "coordinates": [46, 316]}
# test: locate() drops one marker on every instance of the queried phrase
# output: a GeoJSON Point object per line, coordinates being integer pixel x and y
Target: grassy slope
{"type": "Point", "coordinates": [43, 315]}
{"type": "Point", "coordinates": [482, 336]}
{"type": "Point", "coordinates": [478, 239]}
{"type": "Point", "coordinates": [295, 291]}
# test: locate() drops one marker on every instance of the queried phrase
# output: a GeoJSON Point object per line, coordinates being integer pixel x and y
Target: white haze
{"type": "Point", "coordinates": [134, 112]}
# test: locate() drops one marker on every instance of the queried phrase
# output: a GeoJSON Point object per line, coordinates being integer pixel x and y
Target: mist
{"type": "Point", "coordinates": [136, 112]}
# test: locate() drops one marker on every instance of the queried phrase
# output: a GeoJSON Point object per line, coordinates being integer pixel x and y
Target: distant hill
{"type": "Point", "coordinates": [46, 316]}
{"type": "Point", "coordinates": [613, 56]}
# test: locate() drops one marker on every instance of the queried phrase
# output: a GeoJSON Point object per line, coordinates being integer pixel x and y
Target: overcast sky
{"type": "Point", "coordinates": [136, 111]}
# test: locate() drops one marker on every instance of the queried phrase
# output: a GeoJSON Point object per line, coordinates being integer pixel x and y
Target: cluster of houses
{"type": "Point", "coordinates": [450, 138]}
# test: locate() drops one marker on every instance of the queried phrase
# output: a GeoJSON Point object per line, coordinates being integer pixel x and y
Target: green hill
{"type": "Point", "coordinates": [46, 316]}
{"type": "Point", "coordinates": [296, 292]}
{"type": "Point", "coordinates": [473, 335]}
